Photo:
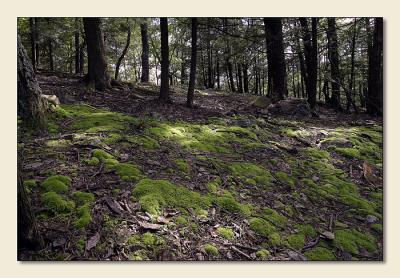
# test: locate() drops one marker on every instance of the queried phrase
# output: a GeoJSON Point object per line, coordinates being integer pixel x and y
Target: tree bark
{"type": "Point", "coordinates": [128, 41]}
{"type": "Point", "coordinates": [239, 71]}
{"type": "Point", "coordinates": [145, 52]}
{"type": "Point", "coordinates": [164, 89]}
{"type": "Point", "coordinates": [276, 57]}
{"type": "Point", "coordinates": [193, 60]}
{"type": "Point", "coordinates": [375, 71]}
{"type": "Point", "coordinates": [350, 100]}
{"type": "Point", "coordinates": [33, 42]}
{"type": "Point", "coordinates": [334, 62]}
{"type": "Point", "coordinates": [97, 65]}
{"type": "Point", "coordinates": [311, 58]}
{"type": "Point", "coordinates": [30, 105]}
{"type": "Point", "coordinates": [245, 79]}
{"type": "Point", "coordinates": [77, 47]}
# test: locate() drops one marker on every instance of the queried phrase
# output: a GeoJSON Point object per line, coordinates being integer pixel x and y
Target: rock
{"type": "Point", "coordinates": [52, 99]}
{"type": "Point", "coordinates": [243, 123]}
{"type": "Point", "coordinates": [346, 256]}
{"type": "Point", "coordinates": [262, 102]}
{"type": "Point", "coordinates": [328, 235]}
{"type": "Point", "coordinates": [298, 108]}
{"type": "Point", "coordinates": [371, 219]}
{"type": "Point", "coordinates": [200, 257]}
{"type": "Point", "coordinates": [296, 256]}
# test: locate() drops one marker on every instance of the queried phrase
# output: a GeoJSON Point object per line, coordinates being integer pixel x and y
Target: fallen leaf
{"type": "Point", "coordinates": [369, 175]}
{"type": "Point", "coordinates": [150, 226]}
{"type": "Point", "coordinates": [92, 242]}
{"type": "Point", "coordinates": [113, 205]}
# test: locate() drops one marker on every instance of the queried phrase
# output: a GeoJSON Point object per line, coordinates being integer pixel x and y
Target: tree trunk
{"type": "Point", "coordinates": [334, 62]}
{"type": "Point", "coordinates": [30, 105]}
{"type": "Point", "coordinates": [37, 53]}
{"type": "Point", "coordinates": [77, 47]}
{"type": "Point", "coordinates": [33, 42]}
{"type": "Point", "coordinates": [239, 71]}
{"type": "Point", "coordinates": [97, 65]}
{"type": "Point", "coordinates": [50, 48]}
{"type": "Point", "coordinates": [375, 71]}
{"type": "Point", "coordinates": [145, 53]}
{"type": "Point", "coordinates": [164, 89]}
{"type": "Point", "coordinates": [218, 75]}
{"type": "Point", "coordinates": [128, 41]}
{"type": "Point", "coordinates": [29, 236]}
{"type": "Point", "coordinates": [245, 79]}
{"type": "Point", "coordinates": [311, 58]}
{"type": "Point", "coordinates": [82, 57]}
{"type": "Point", "coordinates": [350, 100]}
{"type": "Point", "coordinates": [276, 57]}
{"type": "Point", "coordinates": [193, 60]}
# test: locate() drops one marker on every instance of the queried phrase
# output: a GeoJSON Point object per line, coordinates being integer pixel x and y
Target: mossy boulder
{"type": "Point", "coordinates": [320, 254]}
{"type": "Point", "coordinates": [57, 183]}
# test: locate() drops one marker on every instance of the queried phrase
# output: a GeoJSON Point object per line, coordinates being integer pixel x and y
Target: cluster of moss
{"type": "Point", "coordinates": [57, 183]}
{"type": "Point", "coordinates": [266, 229]}
{"type": "Point", "coordinates": [295, 133]}
{"type": "Point", "coordinates": [229, 203]}
{"type": "Point", "coordinates": [84, 216]}
{"type": "Point", "coordinates": [351, 240]}
{"type": "Point", "coordinates": [214, 185]}
{"type": "Point", "coordinates": [211, 249]}
{"type": "Point", "coordinates": [320, 254]}
{"type": "Point", "coordinates": [250, 173]}
{"type": "Point", "coordinates": [225, 232]}
{"type": "Point", "coordinates": [56, 203]}
{"type": "Point", "coordinates": [148, 242]}
{"type": "Point", "coordinates": [262, 254]}
{"type": "Point", "coordinates": [182, 165]}
{"type": "Point", "coordinates": [274, 217]}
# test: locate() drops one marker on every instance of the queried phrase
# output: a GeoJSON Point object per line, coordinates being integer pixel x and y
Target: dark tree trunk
{"type": "Point", "coordinates": [183, 68]}
{"type": "Point", "coordinates": [145, 53]}
{"type": "Point", "coordinates": [210, 79]}
{"type": "Point", "coordinates": [164, 89]}
{"type": "Point", "coordinates": [311, 58]}
{"type": "Point", "coordinates": [82, 57]}
{"type": "Point", "coordinates": [50, 48]}
{"type": "Point", "coordinates": [334, 62]}
{"type": "Point", "coordinates": [276, 57]}
{"type": "Point", "coordinates": [97, 65]}
{"type": "Point", "coordinates": [193, 60]}
{"type": "Point", "coordinates": [245, 79]}
{"type": "Point", "coordinates": [239, 71]}
{"type": "Point", "coordinates": [37, 52]}
{"type": "Point", "coordinates": [28, 232]}
{"type": "Point", "coordinates": [128, 41]}
{"type": "Point", "coordinates": [218, 75]}
{"type": "Point", "coordinates": [230, 73]}
{"type": "Point", "coordinates": [77, 47]}
{"type": "Point", "coordinates": [375, 71]}
{"type": "Point", "coordinates": [303, 74]}
{"type": "Point", "coordinates": [33, 42]}
{"type": "Point", "coordinates": [30, 105]}
{"type": "Point", "coordinates": [351, 100]}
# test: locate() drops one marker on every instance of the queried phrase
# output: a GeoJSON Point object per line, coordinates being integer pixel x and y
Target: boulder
{"type": "Point", "coordinates": [262, 102]}
{"type": "Point", "coordinates": [298, 108]}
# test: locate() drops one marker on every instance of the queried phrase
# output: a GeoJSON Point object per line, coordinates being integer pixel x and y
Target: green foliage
{"type": "Point", "coordinates": [283, 177]}
{"type": "Point", "coordinates": [93, 161]}
{"type": "Point", "coordinates": [128, 172]}
{"type": "Point", "coordinates": [56, 203]}
{"type": "Point", "coordinates": [101, 154]}
{"type": "Point", "coordinates": [307, 230]}
{"type": "Point", "coordinates": [182, 221]}
{"type": "Point", "coordinates": [274, 217]}
{"type": "Point", "coordinates": [57, 183]}
{"type": "Point", "coordinates": [29, 183]}
{"type": "Point", "coordinates": [214, 185]}
{"type": "Point", "coordinates": [246, 171]}
{"type": "Point", "coordinates": [211, 249]}
{"type": "Point", "coordinates": [262, 254]}
{"type": "Point", "coordinates": [153, 195]}
{"type": "Point", "coordinates": [320, 254]}
{"type": "Point", "coordinates": [296, 241]}
{"type": "Point", "coordinates": [351, 240]}
{"type": "Point", "coordinates": [225, 232]}
{"type": "Point", "coordinates": [83, 217]}
{"type": "Point", "coordinates": [182, 165]}
{"type": "Point", "coordinates": [231, 205]}
{"type": "Point", "coordinates": [83, 198]}
{"type": "Point", "coordinates": [317, 153]}
{"type": "Point", "coordinates": [262, 227]}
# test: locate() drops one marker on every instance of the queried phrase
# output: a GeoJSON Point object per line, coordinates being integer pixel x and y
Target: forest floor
{"type": "Point", "coordinates": [120, 176]}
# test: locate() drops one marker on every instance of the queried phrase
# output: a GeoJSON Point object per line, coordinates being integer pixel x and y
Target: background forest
{"type": "Point", "coordinates": [200, 139]}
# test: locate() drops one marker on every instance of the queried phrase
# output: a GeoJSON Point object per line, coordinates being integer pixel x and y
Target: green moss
{"type": "Point", "coordinates": [211, 249]}
{"type": "Point", "coordinates": [116, 191]}
{"type": "Point", "coordinates": [153, 195]}
{"type": "Point", "coordinates": [29, 183]}
{"type": "Point", "coordinates": [143, 141]}
{"type": "Point", "coordinates": [182, 221]}
{"type": "Point", "coordinates": [150, 239]}
{"type": "Point", "coordinates": [246, 171]}
{"type": "Point", "coordinates": [320, 254]}
{"type": "Point", "coordinates": [57, 184]}
{"type": "Point", "coordinates": [58, 143]}
{"type": "Point", "coordinates": [296, 241]}
{"type": "Point", "coordinates": [101, 154]}
{"type": "Point", "coordinates": [110, 162]}
{"type": "Point", "coordinates": [56, 203]}
{"type": "Point", "coordinates": [225, 232]}
{"type": "Point", "coordinates": [231, 205]}
{"type": "Point", "coordinates": [201, 213]}
{"type": "Point", "coordinates": [283, 177]}
{"type": "Point", "coordinates": [127, 172]}
{"type": "Point", "coordinates": [82, 198]}
{"type": "Point", "coordinates": [80, 245]}
{"type": "Point", "coordinates": [182, 165]}
{"type": "Point", "coordinates": [93, 161]}
{"type": "Point", "coordinates": [83, 217]}
{"type": "Point", "coordinates": [139, 255]}
{"type": "Point", "coordinates": [351, 240]}
{"type": "Point", "coordinates": [262, 227]}
{"type": "Point", "coordinates": [274, 239]}
{"type": "Point", "coordinates": [349, 152]}
{"type": "Point", "coordinates": [214, 185]}
{"type": "Point", "coordinates": [262, 254]}
{"type": "Point", "coordinates": [317, 153]}
{"type": "Point", "coordinates": [377, 227]}
{"type": "Point", "coordinates": [274, 217]}
{"type": "Point", "coordinates": [307, 230]}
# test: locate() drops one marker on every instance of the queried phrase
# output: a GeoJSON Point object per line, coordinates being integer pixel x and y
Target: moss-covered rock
{"type": "Point", "coordinates": [351, 240]}
{"type": "Point", "coordinates": [274, 217]}
{"type": "Point", "coordinates": [101, 154]}
{"type": "Point", "coordinates": [296, 241]}
{"type": "Point", "coordinates": [262, 254]}
{"type": "Point", "coordinates": [83, 198]}
{"type": "Point", "coordinates": [262, 227]}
